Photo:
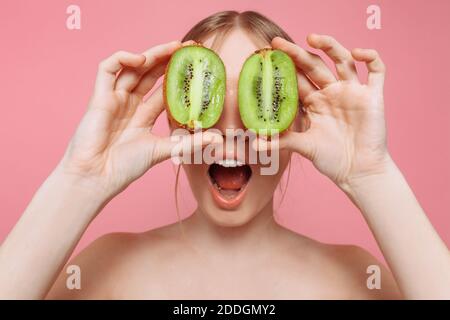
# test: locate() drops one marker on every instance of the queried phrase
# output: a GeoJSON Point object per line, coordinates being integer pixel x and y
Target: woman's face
{"type": "Point", "coordinates": [232, 195]}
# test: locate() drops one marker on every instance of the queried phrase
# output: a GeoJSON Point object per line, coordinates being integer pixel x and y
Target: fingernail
{"type": "Point", "coordinates": [261, 145]}
{"type": "Point", "coordinates": [175, 43]}
{"type": "Point", "coordinates": [208, 138]}
{"type": "Point", "coordinates": [188, 43]}
{"type": "Point", "coordinates": [216, 139]}
{"type": "Point", "coordinates": [255, 145]}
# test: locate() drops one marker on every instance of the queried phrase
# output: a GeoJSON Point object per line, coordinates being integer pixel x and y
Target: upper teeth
{"type": "Point", "coordinates": [230, 163]}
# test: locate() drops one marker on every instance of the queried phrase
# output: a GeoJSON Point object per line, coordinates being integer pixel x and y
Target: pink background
{"type": "Point", "coordinates": [48, 72]}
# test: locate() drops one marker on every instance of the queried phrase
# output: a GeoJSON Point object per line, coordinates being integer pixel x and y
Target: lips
{"type": "Point", "coordinates": [228, 182]}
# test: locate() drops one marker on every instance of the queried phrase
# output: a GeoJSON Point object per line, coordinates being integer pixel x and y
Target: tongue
{"type": "Point", "coordinates": [233, 178]}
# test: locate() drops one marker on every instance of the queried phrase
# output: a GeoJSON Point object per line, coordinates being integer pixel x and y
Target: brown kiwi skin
{"type": "Point", "coordinates": [263, 51]}
{"type": "Point", "coordinates": [172, 121]}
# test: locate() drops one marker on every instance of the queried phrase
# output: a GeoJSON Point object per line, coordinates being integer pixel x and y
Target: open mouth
{"type": "Point", "coordinates": [229, 179]}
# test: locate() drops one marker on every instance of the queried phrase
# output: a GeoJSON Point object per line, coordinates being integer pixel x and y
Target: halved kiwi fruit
{"type": "Point", "coordinates": [268, 92]}
{"type": "Point", "coordinates": [194, 87]}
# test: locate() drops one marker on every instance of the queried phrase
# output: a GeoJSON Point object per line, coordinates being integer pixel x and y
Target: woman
{"type": "Point", "coordinates": [231, 247]}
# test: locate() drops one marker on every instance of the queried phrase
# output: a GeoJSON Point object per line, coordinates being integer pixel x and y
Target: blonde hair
{"type": "Point", "coordinates": [222, 22]}
{"type": "Point", "coordinates": [219, 25]}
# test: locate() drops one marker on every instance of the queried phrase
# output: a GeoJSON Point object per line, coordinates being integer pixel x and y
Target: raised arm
{"type": "Point", "coordinates": [342, 131]}
{"type": "Point", "coordinates": [112, 147]}
{"type": "Point", "coordinates": [418, 258]}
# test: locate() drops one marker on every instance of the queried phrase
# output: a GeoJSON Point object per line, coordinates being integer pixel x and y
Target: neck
{"type": "Point", "coordinates": [201, 231]}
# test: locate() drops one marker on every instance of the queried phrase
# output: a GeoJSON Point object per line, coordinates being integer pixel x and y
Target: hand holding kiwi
{"type": "Point", "coordinates": [114, 143]}
{"type": "Point", "coordinates": [345, 137]}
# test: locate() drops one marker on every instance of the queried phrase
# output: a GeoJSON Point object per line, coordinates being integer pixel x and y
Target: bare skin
{"type": "Point", "coordinates": [240, 254]}
{"type": "Point", "coordinates": [262, 260]}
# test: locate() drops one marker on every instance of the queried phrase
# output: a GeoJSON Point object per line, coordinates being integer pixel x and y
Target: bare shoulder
{"type": "Point", "coordinates": [364, 275]}
{"type": "Point", "coordinates": [343, 271]}
{"type": "Point", "coordinates": [108, 261]}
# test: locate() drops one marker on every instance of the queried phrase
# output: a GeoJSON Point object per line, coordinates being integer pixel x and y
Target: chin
{"type": "Point", "coordinates": [229, 218]}
{"type": "Point", "coordinates": [230, 193]}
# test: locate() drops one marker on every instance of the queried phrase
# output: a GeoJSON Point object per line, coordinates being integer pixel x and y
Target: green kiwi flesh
{"type": "Point", "coordinates": [195, 87]}
{"type": "Point", "coordinates": [268, 92]}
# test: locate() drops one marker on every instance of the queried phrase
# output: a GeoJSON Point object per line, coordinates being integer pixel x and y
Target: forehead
{"type": "Point", "coordinates": [234, 49]}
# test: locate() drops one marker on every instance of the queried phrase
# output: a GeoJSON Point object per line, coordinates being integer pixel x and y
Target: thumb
{"type": "Point", "coordinates": [299, 142]}
{"type": "Point", "coordinates": [177, 146]}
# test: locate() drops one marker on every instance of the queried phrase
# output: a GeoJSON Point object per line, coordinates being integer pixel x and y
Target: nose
{"type": "Point", "coordinates": [230, 118]}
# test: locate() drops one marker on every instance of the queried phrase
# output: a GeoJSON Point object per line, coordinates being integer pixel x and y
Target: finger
{"type": "Point", "coordinates": [182, 146]}
{"type": "Point", "coordinates": [375, 65]}
{"type": "Point", "coordinates": [305, 87]}
{"type": "Point", "coordinates": [302, 121]}
{"type": "Point", "coordinates": [311, 64]}
{"type": "Point", "coordinates": [345, 66]}
{"type": "Point", "coordinates": [108, 68]}
{"type": "Point", "coordinates": [149, 79]}
{"type": "Point", "coordinates": [147, 112]}
{"type": "Point", "coordinates": [299, 142]}
{"type": "Point", "coordinates": [129, 77]}
{"type": "Point", "coordinates": [188, 43]}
